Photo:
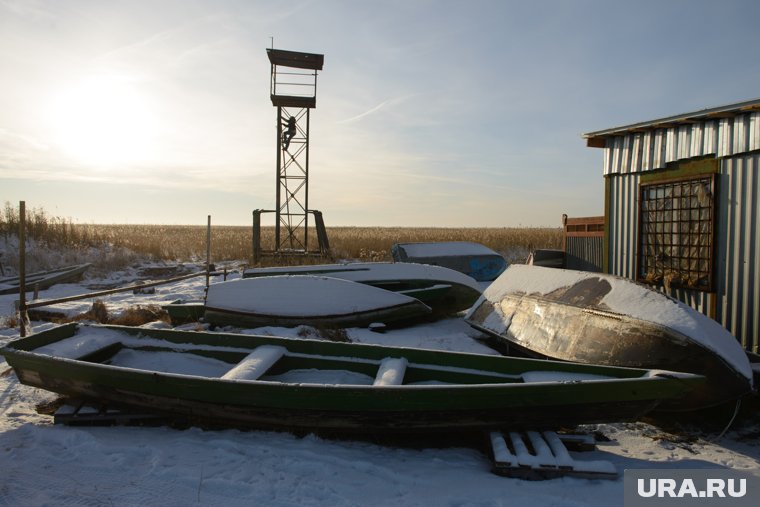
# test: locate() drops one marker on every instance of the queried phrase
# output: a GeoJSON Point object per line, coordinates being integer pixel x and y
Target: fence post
{"type": "Point", "coordinates": [256, 236]}
{"type": "Point", "coordinates": [208, 251]}
{"type": "Point", "coordinates": [23, 317]}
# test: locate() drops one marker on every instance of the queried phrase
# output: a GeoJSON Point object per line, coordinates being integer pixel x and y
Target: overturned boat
{"type": "Point", "coordinates": [291, 301]}
{"type": "Point", "coordinates": [444, 290]}
{"type": "Point", "coordinates": [473, 259]}
{"type": "Point", "coordinates": [603, 319]}
{"type": "Point", "coordinates": [311, 385]}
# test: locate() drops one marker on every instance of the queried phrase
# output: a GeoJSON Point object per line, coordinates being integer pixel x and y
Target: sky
{"type": "Point", "coordinates": [429, 113]}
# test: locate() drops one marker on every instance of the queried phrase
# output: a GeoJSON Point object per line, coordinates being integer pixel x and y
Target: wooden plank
{"type": "Point", "coordinates": [537, 456]}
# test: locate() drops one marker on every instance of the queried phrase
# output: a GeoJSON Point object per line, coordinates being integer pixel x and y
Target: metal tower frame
{"type": "Point", "coordinates": [293, 90]}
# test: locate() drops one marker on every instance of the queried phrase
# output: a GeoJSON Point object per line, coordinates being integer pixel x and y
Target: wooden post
{"type": "Point", "coordinates": [208, 251]}
{"type": "Point", "coordinates": [22, 268]}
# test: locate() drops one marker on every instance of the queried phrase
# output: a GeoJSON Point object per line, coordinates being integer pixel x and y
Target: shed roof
{"type": "Point", "coordinates": [598, 138]}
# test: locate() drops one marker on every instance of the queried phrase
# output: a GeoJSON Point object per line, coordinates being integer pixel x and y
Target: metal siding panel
{"type": "Point", "coordinates": [627, 218]}
{"type": "Point", "coordinates": [613, 225]}
{"type": "Point", "coordinates": [684, 141]}
{"type": "Point", "coordinates": [748, 253]}
{"type": "Point", "coordinates": [654, 149]}
{"type": "Point", "coordinates": [725, 131]}
{"type": "Point", "coordinates": [734, 261]}
{"type": "Point", "coordinates": [636, 153]}
{"type": "Point", "coordinates": [584, 254]}
{"type": "Point", "coordinates": [722, 253]}
{"type": "Point", "coordinates": [751, 299]}
{"type": "Point", "coordinates": [634, 220]}
{"type": "Point", "coordinates": [623, 224]}
{"type": "Point", "coordinates": [697, 140]}
{"type": "Point", "coordinates": [607, 160]}
{"type": "Point", "coordinates": [741, 132]}
{"type": "Point", "coordinates": [617, 237]}
{"type": "Point", "coordinates": [619, 212]}
{"type": "Point", "coordinates": [646, 151]}
{"type": "Point", "coordinates": [616, 154]}
{"type": "Point", "coordinates": [710, 145]}
{"type": "Point", "coordinates": [700, 301]}
{"type": "Point", "coordinates": [625, 155]}
{"type": "Point", "coordinates": [671, 145]}
{"type": "Point", "coordinates": [752, 342]}
{"type": "Point", "coordinates": [754, 132]}
{"type": "Point", "coordinates": [741, 301]}
{"type": "Point", "coordinates": [659, 149]}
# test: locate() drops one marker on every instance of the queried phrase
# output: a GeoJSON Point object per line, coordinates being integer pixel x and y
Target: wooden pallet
{"type": "Point", "coordinates": [537, 455]}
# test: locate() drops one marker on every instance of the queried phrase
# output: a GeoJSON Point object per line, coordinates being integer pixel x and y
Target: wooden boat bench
{"type": "Point", "coordinates": [391, 371]}
{"type": "Point", "coordinates": [256, 364]}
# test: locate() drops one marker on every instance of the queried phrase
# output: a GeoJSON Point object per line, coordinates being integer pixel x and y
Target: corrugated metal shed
{"type": "Point", "coordinates": [664, 148]}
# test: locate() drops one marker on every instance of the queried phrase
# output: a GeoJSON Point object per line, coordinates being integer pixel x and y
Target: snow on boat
{"type": "Point", "coordinates": [300, 384]}
{"type": "Point", "coordinates": [603, 319]}
{"type": "Point", "coordinates": [472, 259]}
{"type": "Point", "coordinates": [444, 290]}
{"type": "Point", "coordinates": [43, 279]}
{"type": "Point", "coordinates": [291, 301]}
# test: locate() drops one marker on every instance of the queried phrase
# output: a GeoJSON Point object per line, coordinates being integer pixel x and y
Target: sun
{"type": "Point", "coordinates": [104, 122]}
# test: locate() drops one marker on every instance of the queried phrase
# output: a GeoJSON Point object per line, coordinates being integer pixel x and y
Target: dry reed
{"type": "Point", "coordinates": [231, 243]}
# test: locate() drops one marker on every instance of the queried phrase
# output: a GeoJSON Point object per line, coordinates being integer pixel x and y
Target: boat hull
{"type": "Point", "coordinates": [410, 312]}
{"type": "Point", "coordinates": [445, 291]}
{"type": "Point", "coordinates": [291, 301]}
{"type": "Point", "coordinates": [566, 325]}
{"type": "Point", "coordinates": [353, 408]}
{"type": "Point", "coordinates": [475, 261]}
{"type": "Point", "coordinates": [182, 312]}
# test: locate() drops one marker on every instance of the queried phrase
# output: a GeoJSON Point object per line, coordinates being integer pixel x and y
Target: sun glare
{"type": "Point", "coordinates": [104, 122]}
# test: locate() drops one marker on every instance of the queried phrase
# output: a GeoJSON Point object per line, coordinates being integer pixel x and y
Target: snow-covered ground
{"type": "Point", "coordinates": [43, 464]}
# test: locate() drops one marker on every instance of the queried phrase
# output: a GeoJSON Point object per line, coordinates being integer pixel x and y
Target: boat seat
{"type": "Point", "coordinates": [256, 364]}
{"type": "Point", "coordinates": [391, 371]}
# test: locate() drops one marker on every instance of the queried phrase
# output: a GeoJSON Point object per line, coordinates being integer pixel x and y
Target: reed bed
{"type": "Point", "coordinates": [230, 243]}
{"type": "Point", "coordinates": [234, 243]}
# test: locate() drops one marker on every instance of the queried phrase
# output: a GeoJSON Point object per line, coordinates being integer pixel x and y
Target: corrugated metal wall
{"type": "Point", "coordinates": [739, 249]}
{"type": "Point", "coordinates": [646, 151]}
{"type": "Point", "coordinates": [736, 303]}
{"type": "Point", "coordinates": [584, 254]}
{"type": "Point", "coordinates": [623, 224]}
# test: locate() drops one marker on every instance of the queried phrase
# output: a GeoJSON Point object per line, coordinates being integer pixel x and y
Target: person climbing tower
{"type": "Point", "coordinates": [289, 133]}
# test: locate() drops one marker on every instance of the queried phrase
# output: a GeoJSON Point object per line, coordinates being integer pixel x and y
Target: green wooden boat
{"type": "Point", "coordinates": [291, 301]}
{"type": "Point", "coordinates": [444, 290]}
{"type": "Point", "coordinates": [183, 311]}
{"type": "Point", "coordinates": [296, 384]}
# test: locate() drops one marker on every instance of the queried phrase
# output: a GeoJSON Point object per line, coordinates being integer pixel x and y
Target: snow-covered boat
{"type": "Point", "coordinates": [295, 300]}
{"type": "Point", "coordinates": [473, 259]}
{"type": "Point", "coordinates": [183, 311]}
{"type": "Point", "coordinates": [602, 319]}
{"type": "Point", "coordinates": [311, 385]}
{"type": "Point", "coordinates": [43, 279]}
{"type": "Point", "coordinates": [444, 290]}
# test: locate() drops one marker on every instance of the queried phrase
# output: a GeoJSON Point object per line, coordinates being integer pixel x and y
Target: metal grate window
{"type": "Point", "coordinates": [676, 234]}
